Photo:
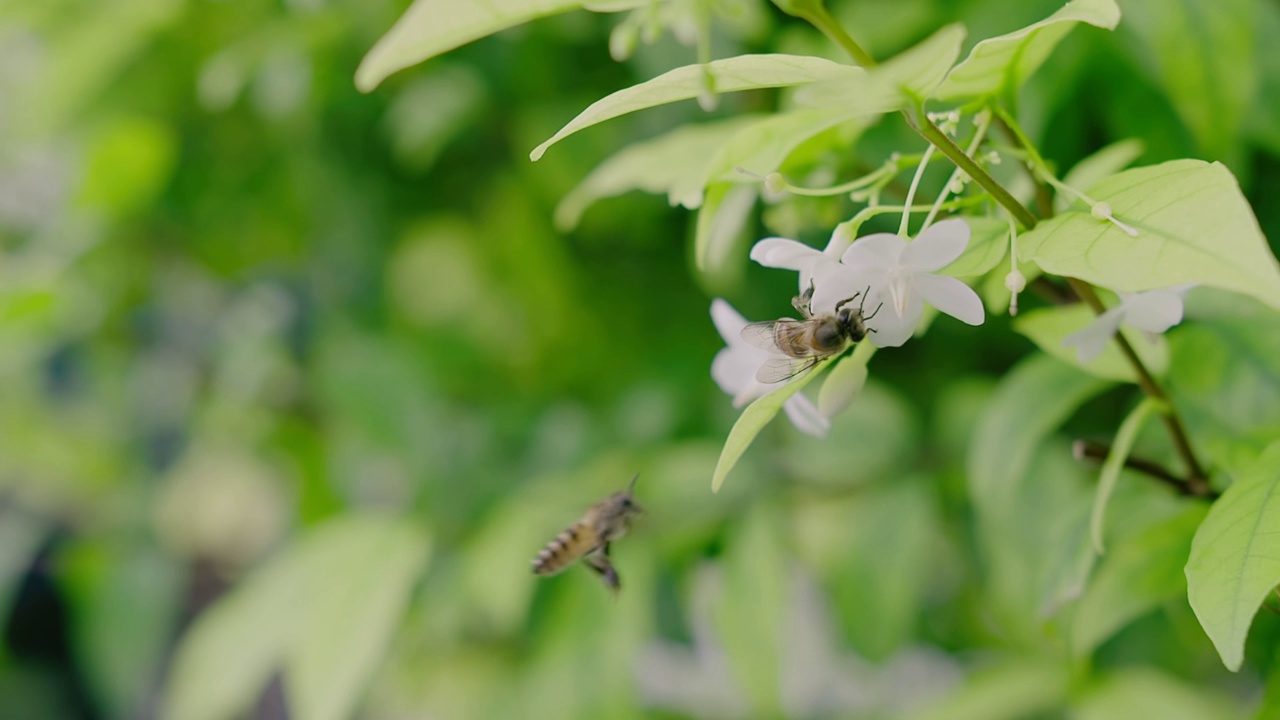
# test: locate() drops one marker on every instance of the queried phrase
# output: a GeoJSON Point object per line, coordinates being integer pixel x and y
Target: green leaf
{"type": "Point", "coordinates": [845, 381]}
{"type": "Point", "coordinates": [1119, 452]}
{"type": "Point", "coordinates": [1021, 688]}
{"type": "Point", "coordinates": [988, 245]}
{"type": "Point", "coordinates": [126, 601]}
{"type": "Point", "coordinates": [128, 165]}
{"type": "Point", "coordinates": [431, 27]}
{"type": "Point", "coordinates": [1097, 167]}
{"type": "Point", "coordinates": [752, 421]}
{"type": "Point", "coordinates": [1142, 571]}
{"type": "Point", "coordinates": [1235, 557]}
{"type": "Point", "coordinates": [361, 571]}
{"type": "Point", "coordinates": [1203, 56]}
{"type": "Point", "coordinates": [722, 224]}
{"type": "Point", "coordinates": [1194, 226]}
{"type": "Point", "coordinates": [20, 537]}
{"type": "Point", "coordinates": [1030, 498]}
{"type": "Point", "coordinates": [230, 652]}
{"type": "Point", "coordinates": [878, 588]}
{"type": "Point", "coordinates": [750, 612]}
{"type": "Point", "coordinates": [1269, 707]}
{"type": "Point", "coordinates": [1143, 692]}
{"type": "Point", "coordinates": [674, 163]}
{"type": "Point", "coordinates": [1036, 397]}
{"type": "Point", "coordinates": [909, 76]}
{"type": "Point", "coordinates": [744, 72]}
{"type": "Point", "coordinates": [1225, 378]}
{"type": "Point", "coordinates": [89, 49]}
{"type": "Point", "coordinates": [1048, 327]}
{"type": "Point", "coordinates": [1000, 65]}
{"type": "Point", "coordinates": [1263, 118]}
{"type": "Point", "coordinates": [762, 147]}
{"type": "Point", "coordinates": [323, 610]}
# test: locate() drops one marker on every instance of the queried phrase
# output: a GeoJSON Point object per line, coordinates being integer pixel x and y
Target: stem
{"type": "Point", "coordinates": [955, 154]}
{"type": "Point", "coordinates": [884, 173]}
{"type": "Point", "coordinates": [818, 16]}
{"type": "Point", "coordinates": [911, 191]}
{"type": "Point", "coordinates": [869, 212]}
{"type": "Point", "coordinates": [974, 144]}
{"type": "Point", "coordinates": [1044, 200]}
{"type": "Point", "coordinates": [1170, 416]}
{"type": "Point", "coordinates": [1097, 451]}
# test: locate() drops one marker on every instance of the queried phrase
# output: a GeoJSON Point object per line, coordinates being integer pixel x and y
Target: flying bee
{"type": "Point", "coordinates": [805, 343]}
{"type": "Point", "coordinates": [589, 538]}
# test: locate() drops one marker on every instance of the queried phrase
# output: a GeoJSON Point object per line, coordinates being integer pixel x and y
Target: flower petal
{"type": "Point", "coordinates": [829, 260]}
{"type": "Point", "coordinates": [1154, 310]}
{"type": "Point", "coordinates": [938, 246]}
{"type": "Point", "coordinates": [836, 284]}
{"type": "Point", "coordinates": [950, 296]}
{"type": "Point", "coordinates": [839, 242]}
{"type": "Point", "coordinates": [726, 372]}
{"type": "Point", "coordinates": [752, 390]}
{"type": "Point", "coordinates": [1093, 339]}
{"type": "Point", "coordinates": [817, 273]}
{"type": "Point", "coordinates": [729, 322]}
{"type": "Point", "coordinates": [776, 252]}
{"type": "Point", "coordinates": [841, 386]}
{"type": "Point", "coordinates": [878, 252]}
{"type": "Point", "coordinates": [892, 329]}
{"type": "Point", "coordinates": [804, 415]}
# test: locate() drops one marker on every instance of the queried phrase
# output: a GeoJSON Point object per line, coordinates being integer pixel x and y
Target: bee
{"type": "Point", "coordinates": [805, 343]}
{"type": "Point", "coordinates": [589, 538]}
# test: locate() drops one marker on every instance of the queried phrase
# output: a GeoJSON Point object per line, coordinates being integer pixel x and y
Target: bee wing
{"type": "Point", "coordinates": [775, 370]}
{"type": "Point", "coordinates": [761, 334]}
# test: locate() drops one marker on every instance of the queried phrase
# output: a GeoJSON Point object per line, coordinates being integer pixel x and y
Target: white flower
{"type": "Point", "coordinates": [734, 370]}
{"type": "Point", "coordinates": [899, 278]}
{"type": "Point", "coordinates": [776, 252]}
{"type": "Point", "coordinates": [1152, 311]}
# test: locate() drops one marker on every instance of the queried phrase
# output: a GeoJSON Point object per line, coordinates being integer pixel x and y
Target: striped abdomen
{"type": "Point", "coordinates": [568, 546]}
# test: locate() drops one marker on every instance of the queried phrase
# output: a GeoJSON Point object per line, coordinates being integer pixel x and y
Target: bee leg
{"type": "Point", "coordinates": [801, 301]}
{"type": "Point", "coordinates": [599, 563]}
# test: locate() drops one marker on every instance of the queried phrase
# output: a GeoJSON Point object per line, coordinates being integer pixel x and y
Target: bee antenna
{"type": "Point", "coordinates": [631, 486]}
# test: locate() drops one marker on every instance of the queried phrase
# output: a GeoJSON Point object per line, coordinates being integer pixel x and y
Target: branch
{"type": "Point", "coordinates": [817, 15]}
{"type": "Point", "coordinates": [1044, 199]}
{"type": "Point", "coordinates": [955, 154]}
{"type": "Point", "coordinates": [1083, 449]}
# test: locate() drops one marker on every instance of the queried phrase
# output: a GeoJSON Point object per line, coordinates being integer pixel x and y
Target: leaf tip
{"type": "Point", "coordinates": [367, 76]}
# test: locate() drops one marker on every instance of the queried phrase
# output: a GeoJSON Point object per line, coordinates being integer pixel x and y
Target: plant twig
{"type": "Point", "coordinates": [1044, 198]}
{"type": "Point", "coordinates": [1097, 451]}
{"type": "Point", "coordinates": [817, 15]}
{"type": "Point", "coordinates": [931, 132]}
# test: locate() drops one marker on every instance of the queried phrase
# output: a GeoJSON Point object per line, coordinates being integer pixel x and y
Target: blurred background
{"type": "Point", "coordinates": [254, 322]}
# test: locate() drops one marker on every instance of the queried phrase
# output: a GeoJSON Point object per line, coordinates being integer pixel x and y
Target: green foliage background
{"type": "Point", "coordinates": [294, 381]}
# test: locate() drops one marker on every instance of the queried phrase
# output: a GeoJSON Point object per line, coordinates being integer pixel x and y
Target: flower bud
{"type": "Point", "coordinates": [1015, 281]}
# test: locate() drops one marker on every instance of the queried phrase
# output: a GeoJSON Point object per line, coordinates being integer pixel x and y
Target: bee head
{"type": "Point", "coordinates": [624, 502]}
